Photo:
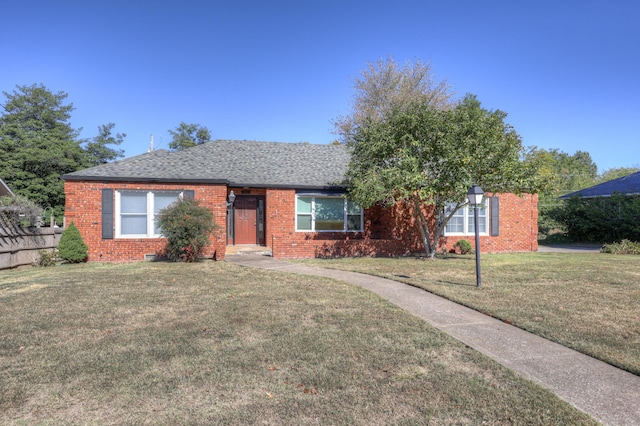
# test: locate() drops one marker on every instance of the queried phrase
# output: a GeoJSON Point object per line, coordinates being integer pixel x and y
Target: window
{"type": "Point", "coordinates": [136, 212]}
{"type": "Point", "coordinates": [326, 213]}
{"type": "Point", "coordinates": [461, 223]}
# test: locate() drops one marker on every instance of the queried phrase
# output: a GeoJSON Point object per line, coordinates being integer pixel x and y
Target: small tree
{"type": "Point", "coordinates": [71, 247]}
{"type": "Point", "coordinates": [187, 227]}
{"type": "Point", "coordinates": [426, 158]}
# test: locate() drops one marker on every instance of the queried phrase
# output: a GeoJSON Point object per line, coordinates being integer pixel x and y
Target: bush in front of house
{"type": "Point", "coordinates": [622, 247]}
{"type": "Point", "coordinates": [71, 248]}
{"type": "Point", "coordinates": [187, 226]}
{"type": "Point", "coordinates": [464, 246]}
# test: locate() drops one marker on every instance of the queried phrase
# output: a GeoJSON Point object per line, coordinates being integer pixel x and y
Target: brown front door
{"type": "Point", "coordinates": [246, 220]}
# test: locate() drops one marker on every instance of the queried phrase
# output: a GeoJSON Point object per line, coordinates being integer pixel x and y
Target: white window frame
{"type": "Point", "coordinates": [313, 214]}
{"type": "Point", "coordinates": [468, 216]}
{"type": "Point", "coordinates": [150, 214]}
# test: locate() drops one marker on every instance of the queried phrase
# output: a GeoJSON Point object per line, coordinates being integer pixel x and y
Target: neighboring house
{"type": "Point", "coordinates": [287, 197]}
{"type": "Point", "coordinates": [626, 185]}
{"type": "Point", "coordinates": [4, 189]}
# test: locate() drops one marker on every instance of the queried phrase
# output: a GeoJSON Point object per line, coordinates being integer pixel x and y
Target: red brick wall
{"type": "Point", "coordinates": [387, 232]}
{"type": "Point", "coordinates": [518, 227]}
{"type": "Point", "coordinates": [391, 231]}
{"type": "Point", "coordinates": [84, 204]}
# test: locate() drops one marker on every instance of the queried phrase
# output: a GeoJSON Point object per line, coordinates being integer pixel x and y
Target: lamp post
{"type": "Point", "coordinates": [230, 230]}
{"type": "Point", "coordinates": [475, 195]}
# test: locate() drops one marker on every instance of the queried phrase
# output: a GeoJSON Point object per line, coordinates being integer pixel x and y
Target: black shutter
{"type": "Point", "coordinates": [495, 216]}
{"type": "Point", "coordinates": [107, 214]}
{"type": "Point", "coordinates": [188, 194]}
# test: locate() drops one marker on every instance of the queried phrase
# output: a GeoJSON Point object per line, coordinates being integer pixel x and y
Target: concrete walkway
{"type": "Point", "coordinates": [609, 394]}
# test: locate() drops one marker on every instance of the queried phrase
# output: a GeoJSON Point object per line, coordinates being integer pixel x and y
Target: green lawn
{"type": "Point", "coordinates": [589, 302]}
{"type": "Point", "coordinates": [214, 343]}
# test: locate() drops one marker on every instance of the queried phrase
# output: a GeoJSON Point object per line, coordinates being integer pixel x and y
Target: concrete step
{"type": "Point", "coordinates": [248, 249]}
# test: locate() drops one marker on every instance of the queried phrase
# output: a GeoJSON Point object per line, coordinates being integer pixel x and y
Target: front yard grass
{"type": "Point", "coordinates": [215, 343]}
{"type": "Point", "coordinates": [589, 302]}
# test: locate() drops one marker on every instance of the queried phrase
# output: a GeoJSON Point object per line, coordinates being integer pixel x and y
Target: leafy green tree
{"type": "Point", "coordinates": [616, 173]}
{"type": "Point", "coordinates": [97, 150]}
{"type": "Point", "coordinates": [188, 135]}
{"type": "Point", "coordinates": [425, 157]}
{"type": "Point", "coordinates": [38, 144]}
{"type": "Point", "coordinates": [187, 226]}
{"type": "Point", "coordinates": [564, 173]}
{"type": "Point", "coordinates": [561, 173]}
{"type": "Point", "coordinates": [71, 247]}
{"type": "Point", "coordinates": [385, 86]}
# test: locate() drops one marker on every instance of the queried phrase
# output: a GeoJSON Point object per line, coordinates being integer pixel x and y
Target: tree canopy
{"type": "Point", "coordinates": [97, 150]}
{"type": "Point", "coordinates": [426, 157]}
{"type": "Point", "coordinates": [38, 145]}
{"type": "Point", "coordinates": [384, 86]}
{"type": "Point", "coordinates": [188, 135]}
{"type": "Point", "coordinates": [563, 173]}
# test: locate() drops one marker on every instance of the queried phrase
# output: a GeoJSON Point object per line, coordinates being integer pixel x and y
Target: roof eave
{"type": "Point", "coordinates": [142, 179]}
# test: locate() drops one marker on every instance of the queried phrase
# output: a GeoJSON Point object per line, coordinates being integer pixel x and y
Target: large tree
{"type": "Point", "coordinates": [384, 86]}
{"type": "Point", "coordinates": [188, 135]}
{"type": "Point", "coordinates": [97, 150]}
{"type": "Point", "coordinates": [427, 158]}
{"type": "Point", "coordinates": [38, 145]}
{"type": "Point", "coordinates": [563, 172]}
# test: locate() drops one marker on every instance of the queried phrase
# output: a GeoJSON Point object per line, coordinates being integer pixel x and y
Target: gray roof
{"type": "Point", "coordinates": [236, 163]}
{"type": "Point", "coordinates": [629, 185]}
{"type": "Point", "coordinates": [4, 189]}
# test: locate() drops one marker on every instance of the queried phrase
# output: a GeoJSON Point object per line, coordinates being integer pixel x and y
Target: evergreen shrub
{"type": "Point", "coordinates": [464, 246]}
{"type": "Point", "coordinates": [71, 248]}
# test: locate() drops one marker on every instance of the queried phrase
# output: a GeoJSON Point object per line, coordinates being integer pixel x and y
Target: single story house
{"type": "Point", "coordinates": [286, 197]}
{"type": "Point", "coordinates": [626, 185]}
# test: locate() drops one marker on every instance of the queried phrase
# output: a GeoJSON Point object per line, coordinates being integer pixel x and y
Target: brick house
{"type": "Point", "coordinates": [285, 197]}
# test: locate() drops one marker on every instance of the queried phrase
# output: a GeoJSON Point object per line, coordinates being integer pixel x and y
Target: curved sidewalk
{"type": "Point", "coordinates": [609, 394]}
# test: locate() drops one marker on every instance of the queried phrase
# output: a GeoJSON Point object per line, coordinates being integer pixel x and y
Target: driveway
{"type": "Point", "coordinates": [570, 248]}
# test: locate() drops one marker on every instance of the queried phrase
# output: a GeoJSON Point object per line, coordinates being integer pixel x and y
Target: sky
{"type": "Point", "coordinates": [565, 71]}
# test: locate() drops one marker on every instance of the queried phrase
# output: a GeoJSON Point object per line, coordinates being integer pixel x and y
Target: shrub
{"type": "Point", "coordinates": [20, 210]}
{"type": "Point", "coordinates": [71, 247]}
{"type": "Point", "coordinates": [187, 227]}
{"type": "Point", "coordinates": [601, 219]}
{"type": "Point", "coordinates": [47, 258]}
{"type": "Point", "coordinates": [464, 246]}
{"type": "Point", "coordinates": [622, 247]}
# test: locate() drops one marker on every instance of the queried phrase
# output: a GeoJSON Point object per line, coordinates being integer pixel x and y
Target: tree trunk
{"type": "Point", "coordinates": [423, 225]}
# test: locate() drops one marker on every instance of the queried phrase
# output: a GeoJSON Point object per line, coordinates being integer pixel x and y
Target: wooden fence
{"type": "Point", "coordinates": [21, 246]}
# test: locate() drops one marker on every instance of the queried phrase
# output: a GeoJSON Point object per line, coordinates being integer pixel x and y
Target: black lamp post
{"type": "Point", "coordinates": [475, 195]}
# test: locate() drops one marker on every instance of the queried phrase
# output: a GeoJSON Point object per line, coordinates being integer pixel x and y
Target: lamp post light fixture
{"type": "Point", "coordinates": [475, 195]}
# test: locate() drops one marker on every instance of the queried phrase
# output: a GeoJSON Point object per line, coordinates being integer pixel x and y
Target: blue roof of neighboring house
{"type": "Point", "coordinates": [628, 185]}
{"type": "Point", "coordinates": [232, 162]}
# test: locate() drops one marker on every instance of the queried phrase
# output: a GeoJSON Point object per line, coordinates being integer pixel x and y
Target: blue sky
{"type": "Point", "coordinates": [567, 72]}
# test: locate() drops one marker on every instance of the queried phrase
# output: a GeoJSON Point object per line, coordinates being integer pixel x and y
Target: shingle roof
{"type": "Point", "coordinates": [629, 185]}
{"type": "Point", "coordinates": [237, 163]}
